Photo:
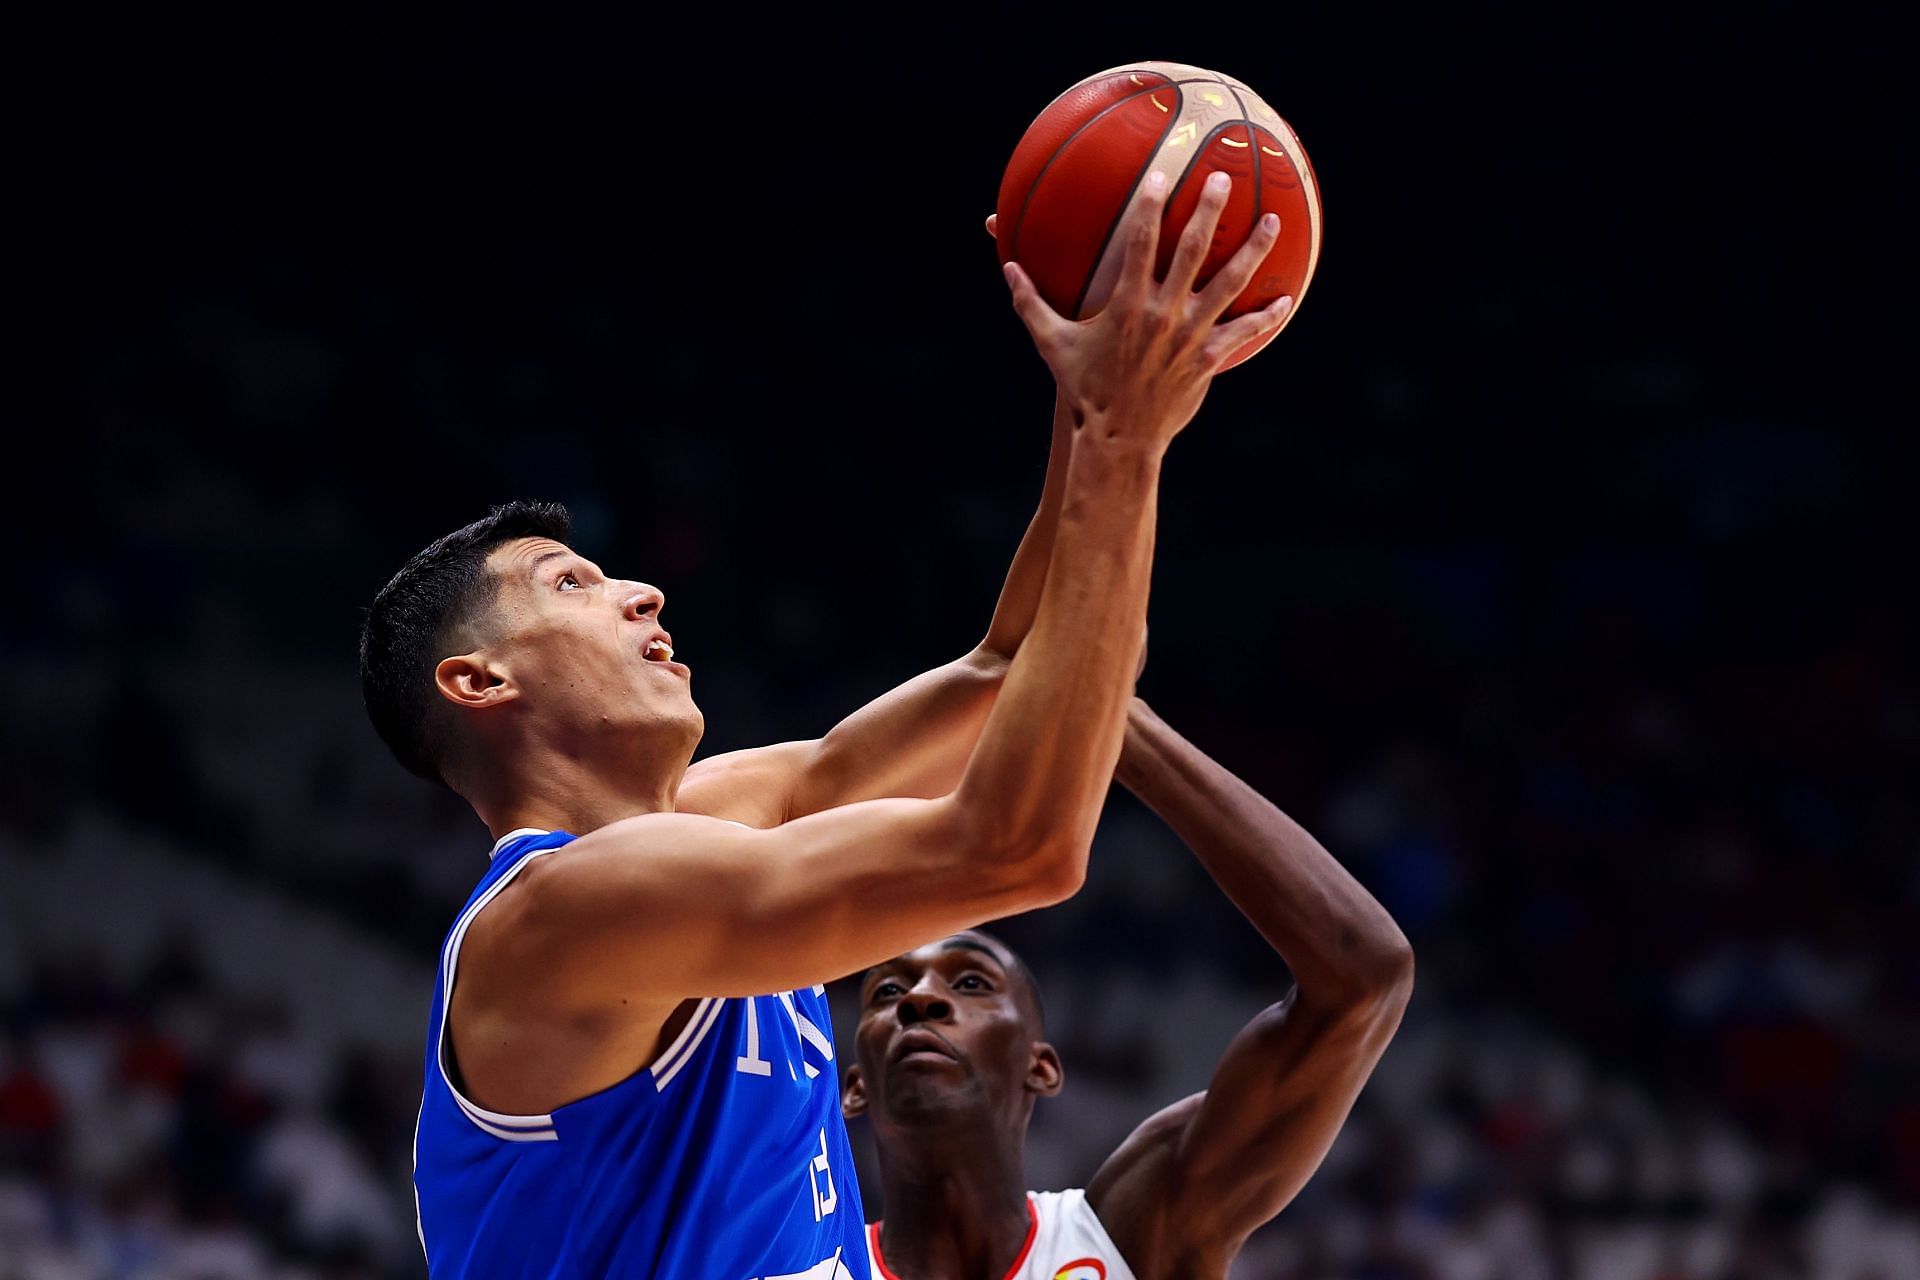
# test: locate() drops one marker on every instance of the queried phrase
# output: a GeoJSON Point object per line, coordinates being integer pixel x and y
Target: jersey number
{"type": "Point", "coordinates": [752, 1064]}
{"type": "Point", "coordinates": [820, 1178]}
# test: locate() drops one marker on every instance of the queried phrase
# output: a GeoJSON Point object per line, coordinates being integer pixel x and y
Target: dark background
{"type": "Point", "coordinates": [1548, 566]}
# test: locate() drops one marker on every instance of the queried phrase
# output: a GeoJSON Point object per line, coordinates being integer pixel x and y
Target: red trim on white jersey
{"type": "Point", "coordinates": [1033, 1229]}
{"type": "Point", "coordinates": [1065, 1241]}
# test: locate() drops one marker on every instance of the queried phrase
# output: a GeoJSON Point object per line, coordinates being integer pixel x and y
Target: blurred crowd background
{"type": "Point", "coordinates": [1547, 568]}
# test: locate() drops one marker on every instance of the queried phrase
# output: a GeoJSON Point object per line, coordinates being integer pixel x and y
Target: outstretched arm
{"type": "Point", "coordinates": [913, 740]}
{"type": "Point", "coordinates": [1191, 1183]}
{"type": "Point", "coordinates": [631, 918]}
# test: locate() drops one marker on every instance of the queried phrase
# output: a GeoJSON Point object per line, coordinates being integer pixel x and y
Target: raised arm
{"type": "Point", "coordinates": [913, 740]}
{"type": "Point", "coordinates": [1190, 1184]}
{"type": "Point", "coordinates": [646, 911]}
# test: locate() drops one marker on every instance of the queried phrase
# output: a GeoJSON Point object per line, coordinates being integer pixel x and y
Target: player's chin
{"type": "Point", "coordinates": [921, 1094]}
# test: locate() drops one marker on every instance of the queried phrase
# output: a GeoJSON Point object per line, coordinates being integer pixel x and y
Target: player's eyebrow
{"type": "Point", "coordinates": [968, 944]}
{"type": "Point", "coordinates": [558, 553]}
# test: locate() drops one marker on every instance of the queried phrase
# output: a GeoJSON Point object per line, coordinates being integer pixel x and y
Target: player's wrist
{"type": "Point", "coordinates": [1115, 445]}
{"type": "Point", "coordinates": [1131, 769]}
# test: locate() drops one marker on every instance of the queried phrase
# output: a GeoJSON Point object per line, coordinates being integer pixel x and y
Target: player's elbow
{"type": "Point", "coordinates": [1392, 976]}
{"type": "Point", "coordinates": [1060, 868]}
{"type": "Point", "coordinates": [988, 661]}
{"type": "Point", "coordinates": [1046, 869]}
{"type": "Point", "coordinates": [1038, 861]}
{"type": "Point", "coordinates": [1382, 981]}
{"type": "Point", "coordinates": [1381, 961]}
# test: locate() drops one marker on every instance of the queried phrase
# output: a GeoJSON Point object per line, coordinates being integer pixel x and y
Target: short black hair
{"type": "Point", "coordinates": [1016, 963]}
{"type": "Point", "coordinates": [410, 622]}
{"type": "Point", "coordinates": [1025, 971]}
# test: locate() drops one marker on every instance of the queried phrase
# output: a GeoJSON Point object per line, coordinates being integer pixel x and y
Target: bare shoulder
{"type": "Point", "coordinates": [1138, 1197]}
{"type": "Point", "coordinates": [1130, 1191]}
{"type": "Point", "coordinates": [509, 950]}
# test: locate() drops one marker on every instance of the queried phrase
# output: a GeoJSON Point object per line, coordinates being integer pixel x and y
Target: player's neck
{"type": "Point", "coordinates": [956, 1208]}
{"type": "Point", "coordinates": [574, 795]}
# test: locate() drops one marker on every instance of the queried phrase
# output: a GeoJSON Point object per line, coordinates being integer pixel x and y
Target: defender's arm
{"type": "Point", "coordinates": [1193, 1181]}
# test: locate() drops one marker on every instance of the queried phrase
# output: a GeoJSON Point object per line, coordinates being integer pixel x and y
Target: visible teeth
{"type": "Point", "coordinates": [662, 648]}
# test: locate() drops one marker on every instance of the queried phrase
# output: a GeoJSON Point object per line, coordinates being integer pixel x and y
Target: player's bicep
{"type": "Point", "coordinates": [1275, 1104]}
{"type": "Point", "coordinates": [1226, 1161]}
{"type": "Point", "coordinates": [913, 740]}
{"type": "Point", "coordinates": [755, 786]}
{"type": "Point", "coordinates": [674, 904]}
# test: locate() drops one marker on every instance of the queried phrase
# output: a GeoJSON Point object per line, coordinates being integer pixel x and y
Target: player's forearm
{"type": "Point", "coordinates": [915, 740]}
{"type": "Point", "coordinates": [1019, 601]}
{"type": "Point", "coordinates": [911, 741]}
{"type": "Point", "coordinates": [1337, 939]}
{"type": "Point", "coordinates": [1046, 756]}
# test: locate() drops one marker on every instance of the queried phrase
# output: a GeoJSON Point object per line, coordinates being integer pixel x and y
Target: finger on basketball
{"type": "Point", "coordinates": [1233, 278]}
{"type": "Point", "coordinates": [1042, 321]}
{"type": "Point", "coordinates": [1231, 336]}
{"type": "Point", "coordinates": [1142, 231]}
{"type": "Point", "coordinates": [1198, 236]}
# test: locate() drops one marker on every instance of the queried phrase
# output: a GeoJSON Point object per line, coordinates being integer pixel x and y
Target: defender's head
{"type": "Point", "coordinates": [951, 1033]}
{"type": "Point", "coordinates": [500, 638]}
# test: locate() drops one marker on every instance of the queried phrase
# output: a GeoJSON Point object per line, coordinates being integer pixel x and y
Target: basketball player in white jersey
{"type": "Point", "coordinates": [951, 1058]}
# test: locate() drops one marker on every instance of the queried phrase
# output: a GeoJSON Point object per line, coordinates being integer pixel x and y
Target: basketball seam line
{"type": "Point", "coordinates": [1026, 201]}
{"type": "Point", "coordinates": [1200, 150]}
{"type": "Point", "coordinates": [1106, 241]}
{"type": "Point", "coordinates": [1253, 136]}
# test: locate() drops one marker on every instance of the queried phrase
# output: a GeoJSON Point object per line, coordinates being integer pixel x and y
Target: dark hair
{"type": "Point", "coordinates": [1026, 972]}
{"type": "Point", "coordinates": [412, 620]}
{"type": "Point", "coordinates": [1018, 964]}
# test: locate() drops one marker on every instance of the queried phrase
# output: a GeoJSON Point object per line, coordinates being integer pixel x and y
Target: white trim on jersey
{"type": "Point", "coordinates": [680, 1052]}
{"type": "Point", "coordinates": [508, 1128]}
{"type": "Point", "coordinates": [419, 1223]}
{"type": "Point", "coordinates": [539, 1128]}
{"type": "Point", "coordinates": [510, 837]}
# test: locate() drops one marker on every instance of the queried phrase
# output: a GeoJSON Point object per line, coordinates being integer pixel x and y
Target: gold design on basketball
{"type": "Point", "coordinates": [1229, 142]}
{"type": "Point", "coordinates": [1201, 112]}
{"type": "Point", "coordinates": [1154, 99]}
{"type": "Point", "coordinates": [1266, 149]}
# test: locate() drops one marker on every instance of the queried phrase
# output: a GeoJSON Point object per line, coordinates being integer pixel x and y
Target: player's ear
{"type": "Point", "coordinates": [853, 1095]}
{"type": "Point", "coordinates": [474, 681]}
{"type": "Point", "coordinates": [1045, 1074]}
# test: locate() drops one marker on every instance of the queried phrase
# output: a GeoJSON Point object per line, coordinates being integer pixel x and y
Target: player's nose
{"type": "Point", "coordinates": [923, 1005]}
{"type": "Point", "coordinates": [643, 600]}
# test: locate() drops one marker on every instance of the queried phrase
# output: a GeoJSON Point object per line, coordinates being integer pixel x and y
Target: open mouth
{"type": "Point", "coordinates": [658, 651]}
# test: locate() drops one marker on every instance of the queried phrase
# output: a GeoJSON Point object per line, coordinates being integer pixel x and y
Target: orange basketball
{"type": "Point", "coordinates": [1081, 162]}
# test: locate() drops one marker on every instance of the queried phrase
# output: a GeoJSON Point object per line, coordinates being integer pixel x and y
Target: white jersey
{"type": "Point", "coordinates": [1065, 1241]}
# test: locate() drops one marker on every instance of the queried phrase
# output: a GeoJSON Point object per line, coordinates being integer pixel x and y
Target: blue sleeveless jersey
{"type": "Point", "coordinates": [725, 1159]}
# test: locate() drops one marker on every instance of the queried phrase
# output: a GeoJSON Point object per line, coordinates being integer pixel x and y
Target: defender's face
{"type": "Point", "coordinates": [587, 651]}
{"type": "Point", "coordinates": [944, 1028]}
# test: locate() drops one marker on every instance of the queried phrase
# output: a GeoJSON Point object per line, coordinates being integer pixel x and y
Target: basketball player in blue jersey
{"type": "Point", "coordinates": [951, 1057]}
{"type": "Point", "coordinates": [629, 1071]}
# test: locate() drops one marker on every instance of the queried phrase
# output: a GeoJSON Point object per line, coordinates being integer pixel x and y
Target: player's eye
{"type": "Point", "coordinates": [886, 990]}
{"type": "Point", "coordinates": [972, 982]}
{"type": "Point", "coordinates": [567, 580]}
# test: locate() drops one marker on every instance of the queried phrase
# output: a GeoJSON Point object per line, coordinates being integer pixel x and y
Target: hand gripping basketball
{"type": "Point", "coordinates": [1143, 364]}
